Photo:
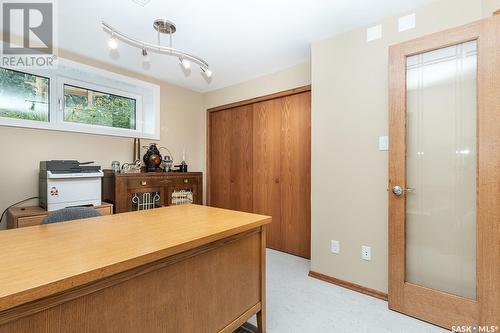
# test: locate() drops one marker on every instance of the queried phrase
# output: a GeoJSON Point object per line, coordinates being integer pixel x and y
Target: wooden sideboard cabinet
{"type": "Point", "coordinates": [20, 217]}
{"type": "Point", "coordinates": [141, 191]}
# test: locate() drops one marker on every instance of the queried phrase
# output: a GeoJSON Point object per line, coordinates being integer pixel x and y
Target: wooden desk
{"type": "Point", "coordinates": [20, 217]}
{"type": "Point", "coordinates": [175, 269]}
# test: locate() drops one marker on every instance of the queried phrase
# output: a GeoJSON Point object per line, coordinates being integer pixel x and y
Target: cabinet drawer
{"type": "Point", "coordinates": [139, 183]}
{"type": "Point", "coordinates": [185, 180]}
{"type": "Point", "coordinates": [30, 221]}
{"type": "Point", "coordinates": [108, 210]}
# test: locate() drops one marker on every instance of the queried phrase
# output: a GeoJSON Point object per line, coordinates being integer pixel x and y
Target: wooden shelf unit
{"type": "Point", "coordinates": [121, 189]}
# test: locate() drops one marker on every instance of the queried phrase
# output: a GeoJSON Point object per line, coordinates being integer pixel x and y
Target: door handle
{"type": "Point", "coordinates": [398, 190]}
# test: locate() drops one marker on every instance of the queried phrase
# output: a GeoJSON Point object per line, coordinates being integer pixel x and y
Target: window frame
{"type": "Point", "coordinates": [26, 122]}
{"type": "Point", "coordinates": [147, 120]}
{"type": "Point", "coordinates": [98, 129]}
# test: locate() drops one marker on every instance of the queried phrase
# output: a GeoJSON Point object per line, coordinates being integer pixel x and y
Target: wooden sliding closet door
{"type": "Point", "coordinates": [240, 175]}
{"type": "Point", "coordinates": [296, 174]}
{"type": "Point", "coordinates": [259, 160]}
{"type": "Point", "coordinates": [231, 159]}
{"type": "Point", "coordinates": [267, 167]}
{"type": "Point", "coordinates": [220, 159]}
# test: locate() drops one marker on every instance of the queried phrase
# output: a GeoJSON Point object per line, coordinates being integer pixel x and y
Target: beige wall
{"type": "Point", "coordinates": [349, 113]}
{"type": "Point", "coordinates": [293, 77]}
{"type": "Point", "coordinates": [489, 6]}
{"type": "Point", "coordinates": [182, 127]}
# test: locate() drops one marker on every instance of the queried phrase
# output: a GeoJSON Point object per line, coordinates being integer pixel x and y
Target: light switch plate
{"type": "Point", "coordinates": [374, 33]}
{"type": "Point", "coordinates": [335, 246]}
{"type": "Point", "coordinates": [406, 22]}
{"type": "Point", "coordinates": [383, 143]}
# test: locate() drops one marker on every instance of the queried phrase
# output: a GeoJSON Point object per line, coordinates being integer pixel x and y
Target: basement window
{"type": "Point", "coordinates": [24, 96]}
{"type": "Point", "coordinates": [78, 98]}
{"type": "Point", "coordinates": [93, 107]}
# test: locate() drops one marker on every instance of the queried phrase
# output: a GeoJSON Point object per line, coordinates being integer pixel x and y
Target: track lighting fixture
{"type": "Point", "coordinates": [162, 26]}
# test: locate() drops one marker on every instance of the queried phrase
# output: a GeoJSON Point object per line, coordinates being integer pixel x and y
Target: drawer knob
{"type": "Point", "coordinates": [186, 181]}
{"type": "Point", "coordinates": [144, 183]}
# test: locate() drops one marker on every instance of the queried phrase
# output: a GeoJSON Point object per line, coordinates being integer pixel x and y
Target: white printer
{"type": "Point", "coordinates": [69, 184]}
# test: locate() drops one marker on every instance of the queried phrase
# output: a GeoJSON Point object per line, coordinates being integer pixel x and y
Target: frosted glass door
{"type": "Point", "coordinates": [441, 169]}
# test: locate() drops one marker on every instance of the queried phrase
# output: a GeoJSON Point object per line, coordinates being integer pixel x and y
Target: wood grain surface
{"type": "Point", "coordinates": [296, 174]}
{"type": "Point", "coordinates": [212, 288]}
{"type": "Point", "coordinates": [44, 260]}
{"type": "Point", "coordinates": [240, 171]}
{"type": "Point", "coordinates": [259, 160]}
{"type": "Point", "coordinates": [267, 166]}
{"type": "Point", "coordinates": [219, 159]}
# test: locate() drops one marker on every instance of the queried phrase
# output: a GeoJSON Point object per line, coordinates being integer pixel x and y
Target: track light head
{"type": "Point", "coordinates": [113, 43]}
{"type": "Point", "coordinates": [208, 73]}
{"type": "Point", "coordinates": [185, 63]}
{"type": "Point", "coordinates": [145, 55]}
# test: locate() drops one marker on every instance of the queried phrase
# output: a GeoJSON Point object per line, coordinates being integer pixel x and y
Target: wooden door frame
{"type": "Point", "coordinates": [441, 308]}
{"type": "Point", "coordinates": [280, 94]}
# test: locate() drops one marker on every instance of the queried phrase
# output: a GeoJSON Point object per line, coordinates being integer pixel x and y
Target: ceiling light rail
{"type": "Point", "coordinates": [163, 27]}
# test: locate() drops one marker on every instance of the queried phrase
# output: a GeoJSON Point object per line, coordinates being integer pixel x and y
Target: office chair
{"type": "Point", "coordinates": [70, 214]}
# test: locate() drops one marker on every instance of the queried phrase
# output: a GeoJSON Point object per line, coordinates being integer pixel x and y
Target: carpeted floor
{"type": "Point", "coordinates": [297, 303]}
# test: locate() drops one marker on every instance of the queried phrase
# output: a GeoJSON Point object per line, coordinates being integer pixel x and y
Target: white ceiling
{"type": "Point", "coordinates": [240, 39]}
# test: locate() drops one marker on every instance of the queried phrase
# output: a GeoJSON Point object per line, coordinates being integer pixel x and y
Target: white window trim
{"type": "Point", "coordinates": [56, 104]}
{"type": "Point", "coordinates": [80, 127]}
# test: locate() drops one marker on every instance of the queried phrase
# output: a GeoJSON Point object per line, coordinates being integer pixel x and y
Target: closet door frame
{"type": "Point", "coordinates": [281, 94]}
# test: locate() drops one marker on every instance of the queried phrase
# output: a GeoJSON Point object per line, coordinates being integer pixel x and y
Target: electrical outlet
{"type": "Point", "coordinates": [335, 246]}
{"type": "Point", "coordinates": [366, 252]}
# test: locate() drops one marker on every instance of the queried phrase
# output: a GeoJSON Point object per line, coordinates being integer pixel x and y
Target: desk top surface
{"type": "Point", "coordinates": [43, 260]}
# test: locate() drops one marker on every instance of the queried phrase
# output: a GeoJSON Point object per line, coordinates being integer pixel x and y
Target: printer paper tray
{"type": "Point", "coordinates": [51, 175]}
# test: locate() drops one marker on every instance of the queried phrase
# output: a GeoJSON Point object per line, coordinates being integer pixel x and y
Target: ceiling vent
{"type": "Point", "coordinates": [141, 2]}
